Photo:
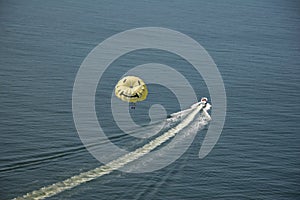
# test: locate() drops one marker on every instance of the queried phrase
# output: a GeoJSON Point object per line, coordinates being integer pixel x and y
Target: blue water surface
{"type": "Point", "coordinates": [255, 45]}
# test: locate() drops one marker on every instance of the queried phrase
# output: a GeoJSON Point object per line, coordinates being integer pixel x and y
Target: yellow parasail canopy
{"type": "Point", "coordinates": [131, 89]}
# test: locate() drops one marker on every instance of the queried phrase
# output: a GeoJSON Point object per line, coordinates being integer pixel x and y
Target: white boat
{"type": "Point", "coordinates": [203, 103]}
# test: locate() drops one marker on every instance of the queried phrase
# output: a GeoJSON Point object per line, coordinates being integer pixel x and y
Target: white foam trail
{"type": "Point", "coordinates": [84, 177]}
{"type": "Point", "coordinates": [181, 113]}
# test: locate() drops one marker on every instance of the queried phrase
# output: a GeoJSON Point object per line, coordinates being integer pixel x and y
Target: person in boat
{"type": "Point", "coordinates": [204, 101]}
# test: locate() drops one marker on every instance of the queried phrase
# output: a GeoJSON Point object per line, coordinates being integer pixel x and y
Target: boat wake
{"type": "Point", "coordinates": [189, 120]}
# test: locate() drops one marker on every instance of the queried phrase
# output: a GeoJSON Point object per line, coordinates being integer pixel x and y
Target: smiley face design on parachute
{"type": "Point", "coordinates": [131, 89]}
